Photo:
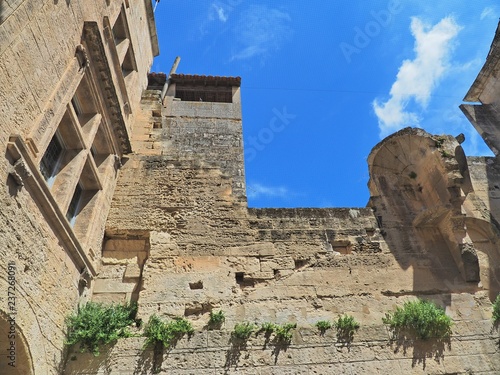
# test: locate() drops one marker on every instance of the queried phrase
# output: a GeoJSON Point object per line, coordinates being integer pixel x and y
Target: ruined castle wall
{"type": "Point", "coordinates": [276, 265]}
{"type": "Point", "coordinates": [207, 252]}
{"type": "Point", "coordinates": [212, 352]}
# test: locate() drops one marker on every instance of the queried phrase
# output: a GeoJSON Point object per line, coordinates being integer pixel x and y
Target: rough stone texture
{"type": "Point", "coordinates": [41, 65]}
{"type": "Point", "coordinates": [167, 225]}
{"type": "Point", "coordinates": [213, 352]}
{"type": "Point", "coordinates": [421, 237]}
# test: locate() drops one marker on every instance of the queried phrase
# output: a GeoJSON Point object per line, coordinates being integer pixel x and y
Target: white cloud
{"type": "Point", "coordinates": [261, 30]}
{"type": "Point", "coordinates": [221, 14]}
{"type": "Point", "coordinates": [417, 78]}
{"type": "Point", "coordinates": [488, 12]}
{"type": "Point", "coordinates": [256, 190]}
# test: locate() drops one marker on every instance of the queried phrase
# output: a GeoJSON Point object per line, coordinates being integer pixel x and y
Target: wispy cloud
{"type": "Point", "coordinates": [221, 13]}
{"type": "Point", "coordinates": [261, 30]}
{"type": "Point", "coordinates": [488, 12]}
{"type": "Point", "coordinates": [417, 78]}
{"type": "Point", "coordinates": [215, 12]}
{"type": "Point", "coordinates": [256, 190]}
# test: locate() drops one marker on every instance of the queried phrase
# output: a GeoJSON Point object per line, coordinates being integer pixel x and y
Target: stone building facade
{"type": "Point", "coordinates": [117, 192]}
{"type": "Point", "coordinates": [71, 78]}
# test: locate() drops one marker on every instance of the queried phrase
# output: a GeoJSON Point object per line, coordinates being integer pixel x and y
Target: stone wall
{"type": "Point", "coordinates": [208, 252]}
{"type": "Point", "coordinates": [42, 62]}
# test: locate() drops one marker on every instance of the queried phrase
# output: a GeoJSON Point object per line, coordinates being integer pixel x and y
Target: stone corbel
{"type": "Point", "coordinates": [82, 56]}
{"type": "Point", "coordinates": [19, 172]}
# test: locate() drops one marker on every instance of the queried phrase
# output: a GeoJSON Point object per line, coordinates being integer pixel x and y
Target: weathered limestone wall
{"type": "Point", "coordinates": [39, 73]}
{"type": "Point", "coordinates": [213, 352]}
{"type": "Point", "coordinates": [207, 251]}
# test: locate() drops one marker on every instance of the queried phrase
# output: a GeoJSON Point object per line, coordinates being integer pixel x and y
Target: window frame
{"type": "Point", "coordinates": [49, 167]}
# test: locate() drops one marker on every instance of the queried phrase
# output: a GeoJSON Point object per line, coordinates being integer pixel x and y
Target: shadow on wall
{"type": "Point", "coordinates": [418, 186]}
{"type": "Point", "coordinates": [486, 237]}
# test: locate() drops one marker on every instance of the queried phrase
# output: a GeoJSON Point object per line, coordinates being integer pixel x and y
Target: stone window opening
{"type": "Point", "coordinates": [74, 205]}
{"type": "Point", "coordinates": [121, 36]}
{"type": "Point", "coordinates": [70, 164]}
{"type": "Point", "coordinates": [51, 159]}
{"type": "Point", "coordinates": [82, 102]}
{"type": "Point", "coordinates": [204, 94]}
{"type": "Point", "coordinates": [75, 102]}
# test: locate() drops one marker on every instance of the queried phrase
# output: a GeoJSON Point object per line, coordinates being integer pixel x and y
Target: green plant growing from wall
{"type": "Point", "coordinates": [346, 326]}
{"type": "Point", "coordinates": [267, 327]}
{"type": "Point", "coordinates": [96, 324]}
{"type": "Point", "coordinates": [216, 319]}
{"type": "Point", "coordinates": [323, 326]}
{"type": "Point", "coordinates": [420, 318]}
{"type": "Point", "coordinates": [284, 332]}
{"type": "Point", "coordinates": [159, 332]}
{"type": "Point", "coordinates": [242, 331]}
{"type": "Point", "coordinates": [496, 311]}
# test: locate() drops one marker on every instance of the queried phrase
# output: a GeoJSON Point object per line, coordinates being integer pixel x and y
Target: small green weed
{"type": "Point", "coordinates": [268, 327]}
{"type": "Point", "coordinates": [216, 318]}
{"type": "Point", "coordinates": [284, 331]}
{"type": "Point", "coordinates": [422, 318]}
{"type": "Point", "coordinates": [346, 326]}
{"type": "Point", "coordinates": [242, 331]}
{"type": "Point", "coordinates": [158, 331]}
{"type": "Point", "coordinates": [96, 324]}
{"type": "Point", "coordinates": [323, 325]}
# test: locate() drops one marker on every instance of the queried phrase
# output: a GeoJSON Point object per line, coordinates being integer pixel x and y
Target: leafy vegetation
{"type": "Point", "coordinates": [284, 331]}
{"type": "Point", "coordinates": [159, 332]}
{"type": "Point", "coordinates": [346, 326]}
{"type": "Point", "coordinates": [242, 331]}
{"type": "Point", "coordinates": [268, 327]}
{"type": "Point", "coordinates": [496, 311]}
{"type": "Point", "coordinates": [422, 318]}
{"type": "Point", "coordinates": [323, 325]}
{"type": "Point", "coordinates": [216, 318]}
{"type": "Point", "coordinates": [96, 324]}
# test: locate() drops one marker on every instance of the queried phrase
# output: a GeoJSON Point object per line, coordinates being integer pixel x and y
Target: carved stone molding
{"type": "Point", "coordinates": [99, 60]}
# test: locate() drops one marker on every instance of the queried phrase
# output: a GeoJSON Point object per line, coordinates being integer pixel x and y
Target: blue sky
{"type": "Point", "coordinates": [324, 81]}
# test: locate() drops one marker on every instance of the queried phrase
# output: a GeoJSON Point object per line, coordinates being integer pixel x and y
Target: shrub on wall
{"type": "Point", "coordinates": [323, 325]}
{"type": "Point", "coordinates": [421, 318]}
{"type": "Point", "coordinates": [242, 331]}
{"type": "Point", "coordinates": [284, 332]}
{"type": "Point", "coordinates": [159, 332]}
{"type": "Point", "coordinates": [216, 318]}
{"type": "Point", "coordinates": [268, 327]}
{"type": "Point", "coordinates": [346, 326]}
{"type": "Point", "coordinates": [96, 324]}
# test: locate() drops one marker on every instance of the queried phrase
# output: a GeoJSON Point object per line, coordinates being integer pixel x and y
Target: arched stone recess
{"type": "Point", "coordinates": [485, 237]}
{"type": "Point", "coordinates": [18, 359]}
{"type": "Point", "coordinates": [418, 183]}
{"type": "Point", "coordinates": [21, 321]}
